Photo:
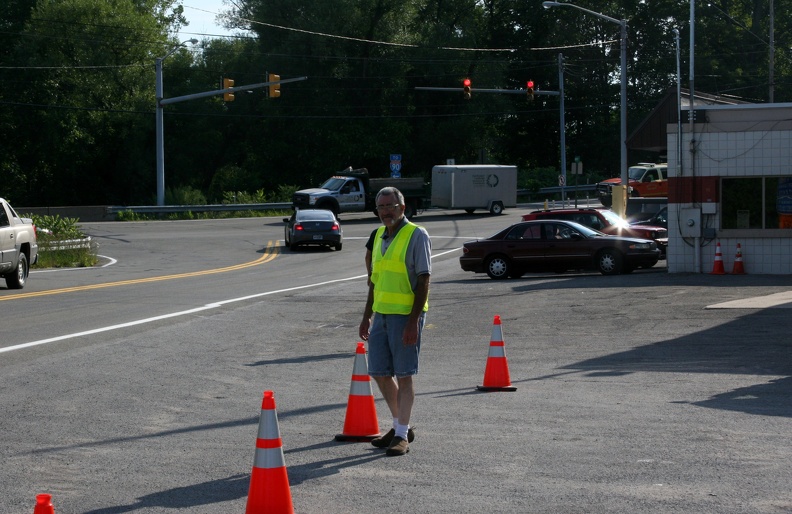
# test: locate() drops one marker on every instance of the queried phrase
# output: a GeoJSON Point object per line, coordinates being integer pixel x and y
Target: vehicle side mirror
{"type": "Point", "coordinates": [576, 236]}
{"type": "Point", "coordinates": [285, 220]}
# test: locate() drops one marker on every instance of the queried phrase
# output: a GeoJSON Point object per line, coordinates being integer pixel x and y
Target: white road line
{"type": "Point", "coordinates": [206, 307]}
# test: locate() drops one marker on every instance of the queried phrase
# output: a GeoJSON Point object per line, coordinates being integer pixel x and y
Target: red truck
{"type": "Point", "coordinates": [645, 180]}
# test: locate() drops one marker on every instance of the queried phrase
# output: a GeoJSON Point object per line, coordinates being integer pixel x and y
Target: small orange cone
{"type": "Point", "coordinates": [717, 269]}
{"type": "Point", "coordinates": [496, 374]}
{"type": "Point", "coordinates": [738, 262]}
{"type": "Point", "coordinates": [44, 504]}
{"type": "Point", "coordinates": [269, 483]}
{"type": "Point", "coordinates": [361, 423]}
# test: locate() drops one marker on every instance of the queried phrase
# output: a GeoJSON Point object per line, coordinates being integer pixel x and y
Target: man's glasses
{"type": "Point", "coordinates": [386, 208]}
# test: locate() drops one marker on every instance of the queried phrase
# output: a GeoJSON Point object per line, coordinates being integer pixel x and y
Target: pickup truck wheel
{"type": "Point", "coordinates": [609, 262]}
{"type": "Point", "coordinates": [17, 280]}
{"type": "Point", "coordinates": [332, 207]}
{"type": "Point", "coordinates": [496, 208]}
{"type": "Point", "coordinates": [409, 210]}
{"type": "Point", "coordinates": [607, 201]}
{"type": "Point", "coordinates": [498, 267]}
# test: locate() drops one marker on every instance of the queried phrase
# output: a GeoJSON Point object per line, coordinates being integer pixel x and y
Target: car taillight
{"type": "Point", "coordinates": [297, 226]}
{"type": "Point", "coordinates": [465, 249]}
{"type": "Point", "coordinates": [335, 227]}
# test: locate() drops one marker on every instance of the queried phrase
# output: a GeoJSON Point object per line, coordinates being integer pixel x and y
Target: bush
{"type": "Point", "coordinates": [62, 244]}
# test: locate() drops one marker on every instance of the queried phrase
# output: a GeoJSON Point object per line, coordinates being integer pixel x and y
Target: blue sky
{"type": "Point", "coordinates": [202, 24]}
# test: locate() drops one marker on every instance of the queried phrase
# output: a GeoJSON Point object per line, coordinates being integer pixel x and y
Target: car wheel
{"type": "Point", "coordinates": [498, 267]}
{"type": "Point", "coordinates": [286, 242]}
{"type": "Point", "coordinates": [609, 262]}
{"type": "Point", "coordinates": [338, 247]}
{"type": "Point", "coordinates": [17, 280]}
{"type": "Point", "coordinates": [496, 208]}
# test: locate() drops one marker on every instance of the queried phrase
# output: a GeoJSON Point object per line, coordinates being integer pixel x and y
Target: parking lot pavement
{"type": "Point", "coordinates": [631, 396]}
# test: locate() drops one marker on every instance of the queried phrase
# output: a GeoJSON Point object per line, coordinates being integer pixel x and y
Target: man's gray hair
{"type": "Point", "coordinates": [390, 191]}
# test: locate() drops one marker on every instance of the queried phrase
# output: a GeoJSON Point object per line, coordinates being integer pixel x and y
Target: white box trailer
{"type": "Point", "coordinates": [474, 186]}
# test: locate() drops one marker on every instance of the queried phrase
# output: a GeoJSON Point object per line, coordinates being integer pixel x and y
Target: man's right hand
{"type": "Point", "coordinates": [363, 331]}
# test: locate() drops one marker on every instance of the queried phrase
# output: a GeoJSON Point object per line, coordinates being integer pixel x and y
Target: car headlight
{"type": "Point", "coordinates": [311, 200]}
{"type": "Point", "coordinates": [641, 246]}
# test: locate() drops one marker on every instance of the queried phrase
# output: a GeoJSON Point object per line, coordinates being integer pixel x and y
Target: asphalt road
{"type": "Point", "coordinates": [137, 387]}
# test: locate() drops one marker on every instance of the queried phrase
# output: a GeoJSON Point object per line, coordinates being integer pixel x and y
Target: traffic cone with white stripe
{"type": "Point", "coordinates": [44, 504]}
{"type": "Point", "coordinates": [269, 483]}
{"type": "Point", "coordinates": [361, 423]}
{"type": "Point", "coordinates": [717, 268]}
{"type": "Point", "coordinates": [738, 262]}
{"type": "Point", "coordinates": [496, 374]}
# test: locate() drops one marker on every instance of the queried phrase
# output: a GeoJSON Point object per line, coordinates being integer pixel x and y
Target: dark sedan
{"type": "Point", "coordinates": [555, 245]}
{"type": "Point", "coordinates": [313, 227]}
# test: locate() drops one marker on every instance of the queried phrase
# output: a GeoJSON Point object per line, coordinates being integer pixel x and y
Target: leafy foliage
{"type": "Point", "coordinates": [78, 89]}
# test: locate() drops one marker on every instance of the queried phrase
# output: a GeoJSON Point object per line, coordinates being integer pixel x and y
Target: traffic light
{"type": "Point", "coordinates": [466, 89]}
{"type": "Point", "coordinates": [228, 83]}
{"type": "Point", "coordinates": [274, 89]}
{"type": "Point", "coordinates": [530, 89]}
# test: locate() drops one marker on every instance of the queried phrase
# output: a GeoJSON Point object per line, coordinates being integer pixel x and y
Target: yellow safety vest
{"type": "Point", "coordinates": [393, 293]}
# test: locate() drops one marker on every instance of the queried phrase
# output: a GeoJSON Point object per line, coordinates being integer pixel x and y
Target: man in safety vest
{"type": "Point", "coordinates": [401, 264]}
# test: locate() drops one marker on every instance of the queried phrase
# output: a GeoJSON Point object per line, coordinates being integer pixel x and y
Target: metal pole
{"type": "Point", "coordinates": [562, 123]}
{"type": "Point", "coordinates": [771, 74]}
{"type": "Point", "coordinates": [160, 135]}
{"type": "Point", "coordinates": [160, 125]}
{"type": "Point", "coordinates": [623, 123]}
{"type": "Point", "coordinates": [624, 178]}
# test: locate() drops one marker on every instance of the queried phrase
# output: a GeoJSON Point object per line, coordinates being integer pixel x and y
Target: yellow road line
{"type": "Point", "coordinates": [270, 252]}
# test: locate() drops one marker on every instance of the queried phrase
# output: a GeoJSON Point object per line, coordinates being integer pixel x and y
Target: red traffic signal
{"type": "Point", "coordinates": [530, 89]}
{"type": "Point", "coordinates": [466, 89]}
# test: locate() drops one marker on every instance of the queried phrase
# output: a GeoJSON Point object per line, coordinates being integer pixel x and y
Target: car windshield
{"type": "Point", "coordinates": [586, 231]}
{"type": "Point", "coordinates": [636, 173]}
{"type": "Point", "coordinates": [614, 219]}
{"type": "Point", "coordinates": [333, 183]}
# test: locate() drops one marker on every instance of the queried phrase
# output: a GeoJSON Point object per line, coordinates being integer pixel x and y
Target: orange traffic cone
{"type": "Point", "coordinates": [44, 504]}
{"type": "Point", "coordinates": [269, 483]}
{"type": "Point", "coordinates": [738, 262]}
{"type": "Point", "coordinates": [496, 374]}
{"type": "Point", "coordinates": [361, 422]}
{"type": "Point", "coordinates": [717, 269]}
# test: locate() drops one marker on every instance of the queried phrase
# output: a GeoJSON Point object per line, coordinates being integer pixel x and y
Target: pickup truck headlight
{"type": "Point", "coordinates": [311, 200]}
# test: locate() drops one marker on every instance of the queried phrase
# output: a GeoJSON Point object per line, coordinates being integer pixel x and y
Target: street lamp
{"type": "Point", "coordinates": [160, 124]}
{"type": "Point", "coordinates": [623, 25]}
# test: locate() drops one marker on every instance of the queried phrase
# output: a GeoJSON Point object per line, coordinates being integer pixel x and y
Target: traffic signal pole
{"type": "Point", "coordinates": [176, 99]}
{"type": "Point", "coordinates": [195, 96]}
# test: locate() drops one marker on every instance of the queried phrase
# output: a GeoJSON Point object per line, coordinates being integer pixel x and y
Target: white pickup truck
{"type": "Point", "coordinates": [18, 246]}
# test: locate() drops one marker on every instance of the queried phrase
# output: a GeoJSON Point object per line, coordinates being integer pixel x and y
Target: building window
{"type": "Point", "coordinates": [756, 203]}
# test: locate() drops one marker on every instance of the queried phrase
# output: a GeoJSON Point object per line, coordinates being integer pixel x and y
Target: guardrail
{"type": "Point", "coordinates": [568, 189]}
{"type": "Point", "coordinates": [66, 244]}
{"type": "Point", "coordinates": [159, 209]}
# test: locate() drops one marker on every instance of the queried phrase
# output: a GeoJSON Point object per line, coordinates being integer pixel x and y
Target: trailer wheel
{"type": "Point", "coordinates": [496, 208]}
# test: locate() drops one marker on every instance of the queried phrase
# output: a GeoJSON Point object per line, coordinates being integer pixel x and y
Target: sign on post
{"type": "Point", "coordinates": [395, 165]}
